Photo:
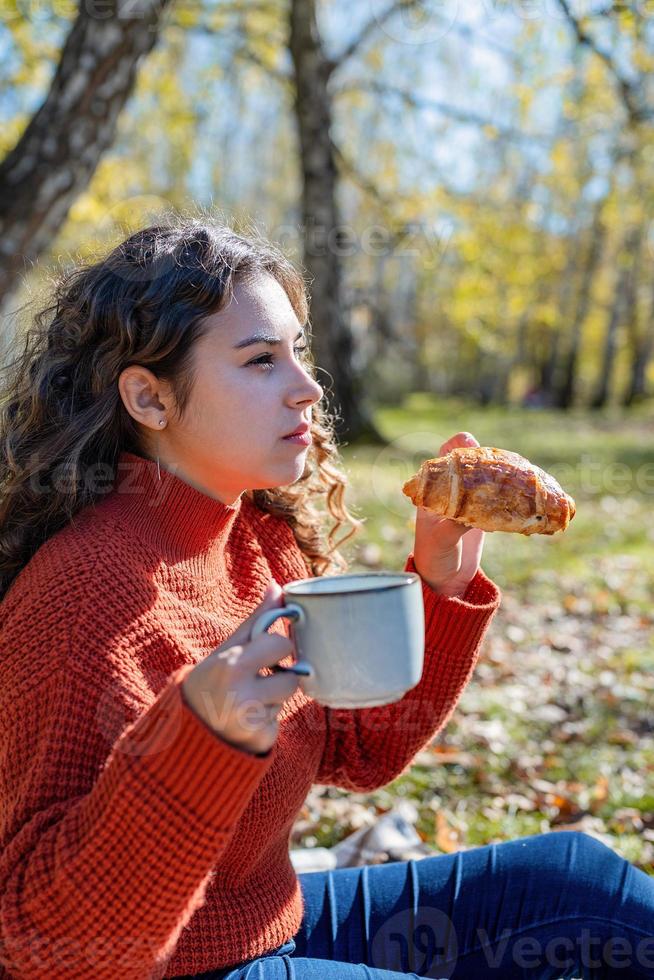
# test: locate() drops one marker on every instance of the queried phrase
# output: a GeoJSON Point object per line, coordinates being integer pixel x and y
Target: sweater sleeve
{"type": "Point", "coordinates": [365, 748]}
{"type": "Point", "coordinates": [106, 848]}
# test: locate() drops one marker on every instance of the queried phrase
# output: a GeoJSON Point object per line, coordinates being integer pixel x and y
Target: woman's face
{"type": "Point", "coordinates": [245, 398]}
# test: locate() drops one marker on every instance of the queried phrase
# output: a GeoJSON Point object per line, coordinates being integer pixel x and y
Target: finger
{"type": "Point", "coordinates": [451, 533]}
{"type": "Point", "coordinates": [277, 688]}
{"type": "Point", "coordinates": [265, 651]}
{"type": "Point", "coordinates": [442, 529]}
{"type": "Point", "coordinates": [473, 545]}
{"type": "Point", "coordinates": [462, 440]}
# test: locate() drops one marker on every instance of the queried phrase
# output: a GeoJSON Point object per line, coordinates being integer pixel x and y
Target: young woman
{"type": "Point", "coordinates": [152, 763]}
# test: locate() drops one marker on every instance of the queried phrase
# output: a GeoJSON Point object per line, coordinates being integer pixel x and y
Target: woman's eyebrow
{"type": "Point", "coordinates": [261, 338]}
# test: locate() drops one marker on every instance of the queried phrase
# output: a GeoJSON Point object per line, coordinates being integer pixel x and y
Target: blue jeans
{"type": "Point", "coordinates": [555, 905]}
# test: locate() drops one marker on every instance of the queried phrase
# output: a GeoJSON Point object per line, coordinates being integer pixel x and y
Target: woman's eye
{"type": "Point", "coordinates": [266, 360]}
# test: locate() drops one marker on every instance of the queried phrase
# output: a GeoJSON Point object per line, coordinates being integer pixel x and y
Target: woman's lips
{"type": "Point", "coordinates": [301, 440]}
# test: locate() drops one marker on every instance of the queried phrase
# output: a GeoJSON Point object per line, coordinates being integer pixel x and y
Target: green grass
{"type": "Point", "coordinates": [573, 636]}
{"type": "Point", "coordinates": [606, 463]}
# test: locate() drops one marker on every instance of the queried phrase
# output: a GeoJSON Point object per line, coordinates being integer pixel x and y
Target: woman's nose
{"type": "Point", "coordinates": [311, 390]}
{"type": "Point", "coordinates": [318, 391]}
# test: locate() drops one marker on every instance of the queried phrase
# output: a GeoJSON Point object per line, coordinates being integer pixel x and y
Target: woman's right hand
{"type": "Point", "coordinates": [226, 691]}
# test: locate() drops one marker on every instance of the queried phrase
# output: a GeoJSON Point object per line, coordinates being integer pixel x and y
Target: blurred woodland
{"type": "Point", "coordinates": [469, 188]}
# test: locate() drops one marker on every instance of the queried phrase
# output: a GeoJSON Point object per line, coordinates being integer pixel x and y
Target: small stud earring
{"type": "Point", "coordinates": [161, 422]}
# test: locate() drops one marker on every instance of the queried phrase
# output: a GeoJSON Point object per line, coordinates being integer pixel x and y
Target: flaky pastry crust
{"type": "Point", "coordinates": [492, 489]}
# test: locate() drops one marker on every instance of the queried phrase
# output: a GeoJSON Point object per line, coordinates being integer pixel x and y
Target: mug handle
{"type": "Point", "coordinates": [301, 667]}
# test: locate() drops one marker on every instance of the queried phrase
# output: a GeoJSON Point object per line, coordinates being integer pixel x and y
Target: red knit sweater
{"type": "Point", "coordinates": [135, 842]}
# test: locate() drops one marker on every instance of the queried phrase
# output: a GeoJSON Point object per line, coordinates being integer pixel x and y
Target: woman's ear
{"type": "Point", "coordinates": [145, 396]}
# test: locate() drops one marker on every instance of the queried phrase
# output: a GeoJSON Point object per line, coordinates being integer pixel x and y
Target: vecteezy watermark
{"type": "Point", "coordinates": [35, 10]}
{"type": "Point", "coordinates": [398, 462]}
{"type": "Point", "coordinates": [529, 9]}
{"type": "Point", "coordinates": [103, 11]}
{"type": "Point", "coordinates": [66, 478]}
{"type": "Point", "coordinates": [424, 241]}
{"type": "Point", "coordinates": [423, 940]}
{"type": "Point", "coordinates": [59, 954]}
{"type": "Point", "coordinates": [421, 22]}
{"type": "Point", "coordinates": [133, 733]}
{"type": "Point", "coordinates": [593, 476]}
{"type": "Point", "coordinates": [393, 466]}
{"type": "Point", "coordinates": [401, 459]}
{"type": "Point", "coordinates": [96, 479]}
{"type": "Point", "coordinates": [563, 952]}
{"type": "Point", "coordinates": [418, 941]}
{"type": "Point", "coordinates": [553, 10]}
{"type": "Point", "coordinates": [417, 239]}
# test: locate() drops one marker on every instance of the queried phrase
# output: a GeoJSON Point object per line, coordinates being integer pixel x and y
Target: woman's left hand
{"type": "Point", "coordinates": [447, 554]}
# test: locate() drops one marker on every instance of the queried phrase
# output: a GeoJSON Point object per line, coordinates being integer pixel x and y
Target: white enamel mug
{"type": "Point", "coordinates": [359, 637]}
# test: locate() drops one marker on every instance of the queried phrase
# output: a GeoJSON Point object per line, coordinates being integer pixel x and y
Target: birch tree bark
{"type": "Point", "coordinates": [332, 340]}
{"type": "Point", "coordinates": [57, 154]}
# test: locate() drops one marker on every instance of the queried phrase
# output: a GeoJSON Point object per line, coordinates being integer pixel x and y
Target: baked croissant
{"type": "Point", "coordinates": [492, 489]}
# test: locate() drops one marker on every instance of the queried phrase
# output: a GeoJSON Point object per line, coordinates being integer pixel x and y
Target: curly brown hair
{"type": "Point", "coordinates": [145, 303]}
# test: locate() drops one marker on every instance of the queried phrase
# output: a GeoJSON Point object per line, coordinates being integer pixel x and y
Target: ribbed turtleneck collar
{"type": "Point", "coordinates": [179, 522]}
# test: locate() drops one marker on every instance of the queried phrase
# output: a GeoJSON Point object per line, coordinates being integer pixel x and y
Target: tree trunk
{"type": "Point", "coordinates": [547, 367]}
{"type": "Point", "coordinates": [643, 349]}
{"type": "Point", "coordinates": [637, 390]}
{"type": "Point", "coordinates": [622, 301]}
{"type": "Point", "coordinates": [57, 155]}
{"type": "Point", "coordinates": [332, 340]}
{"type": "Point", "coordinates": [565, 392]}
{"type": "Point", "coordinates": [546, 353]}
